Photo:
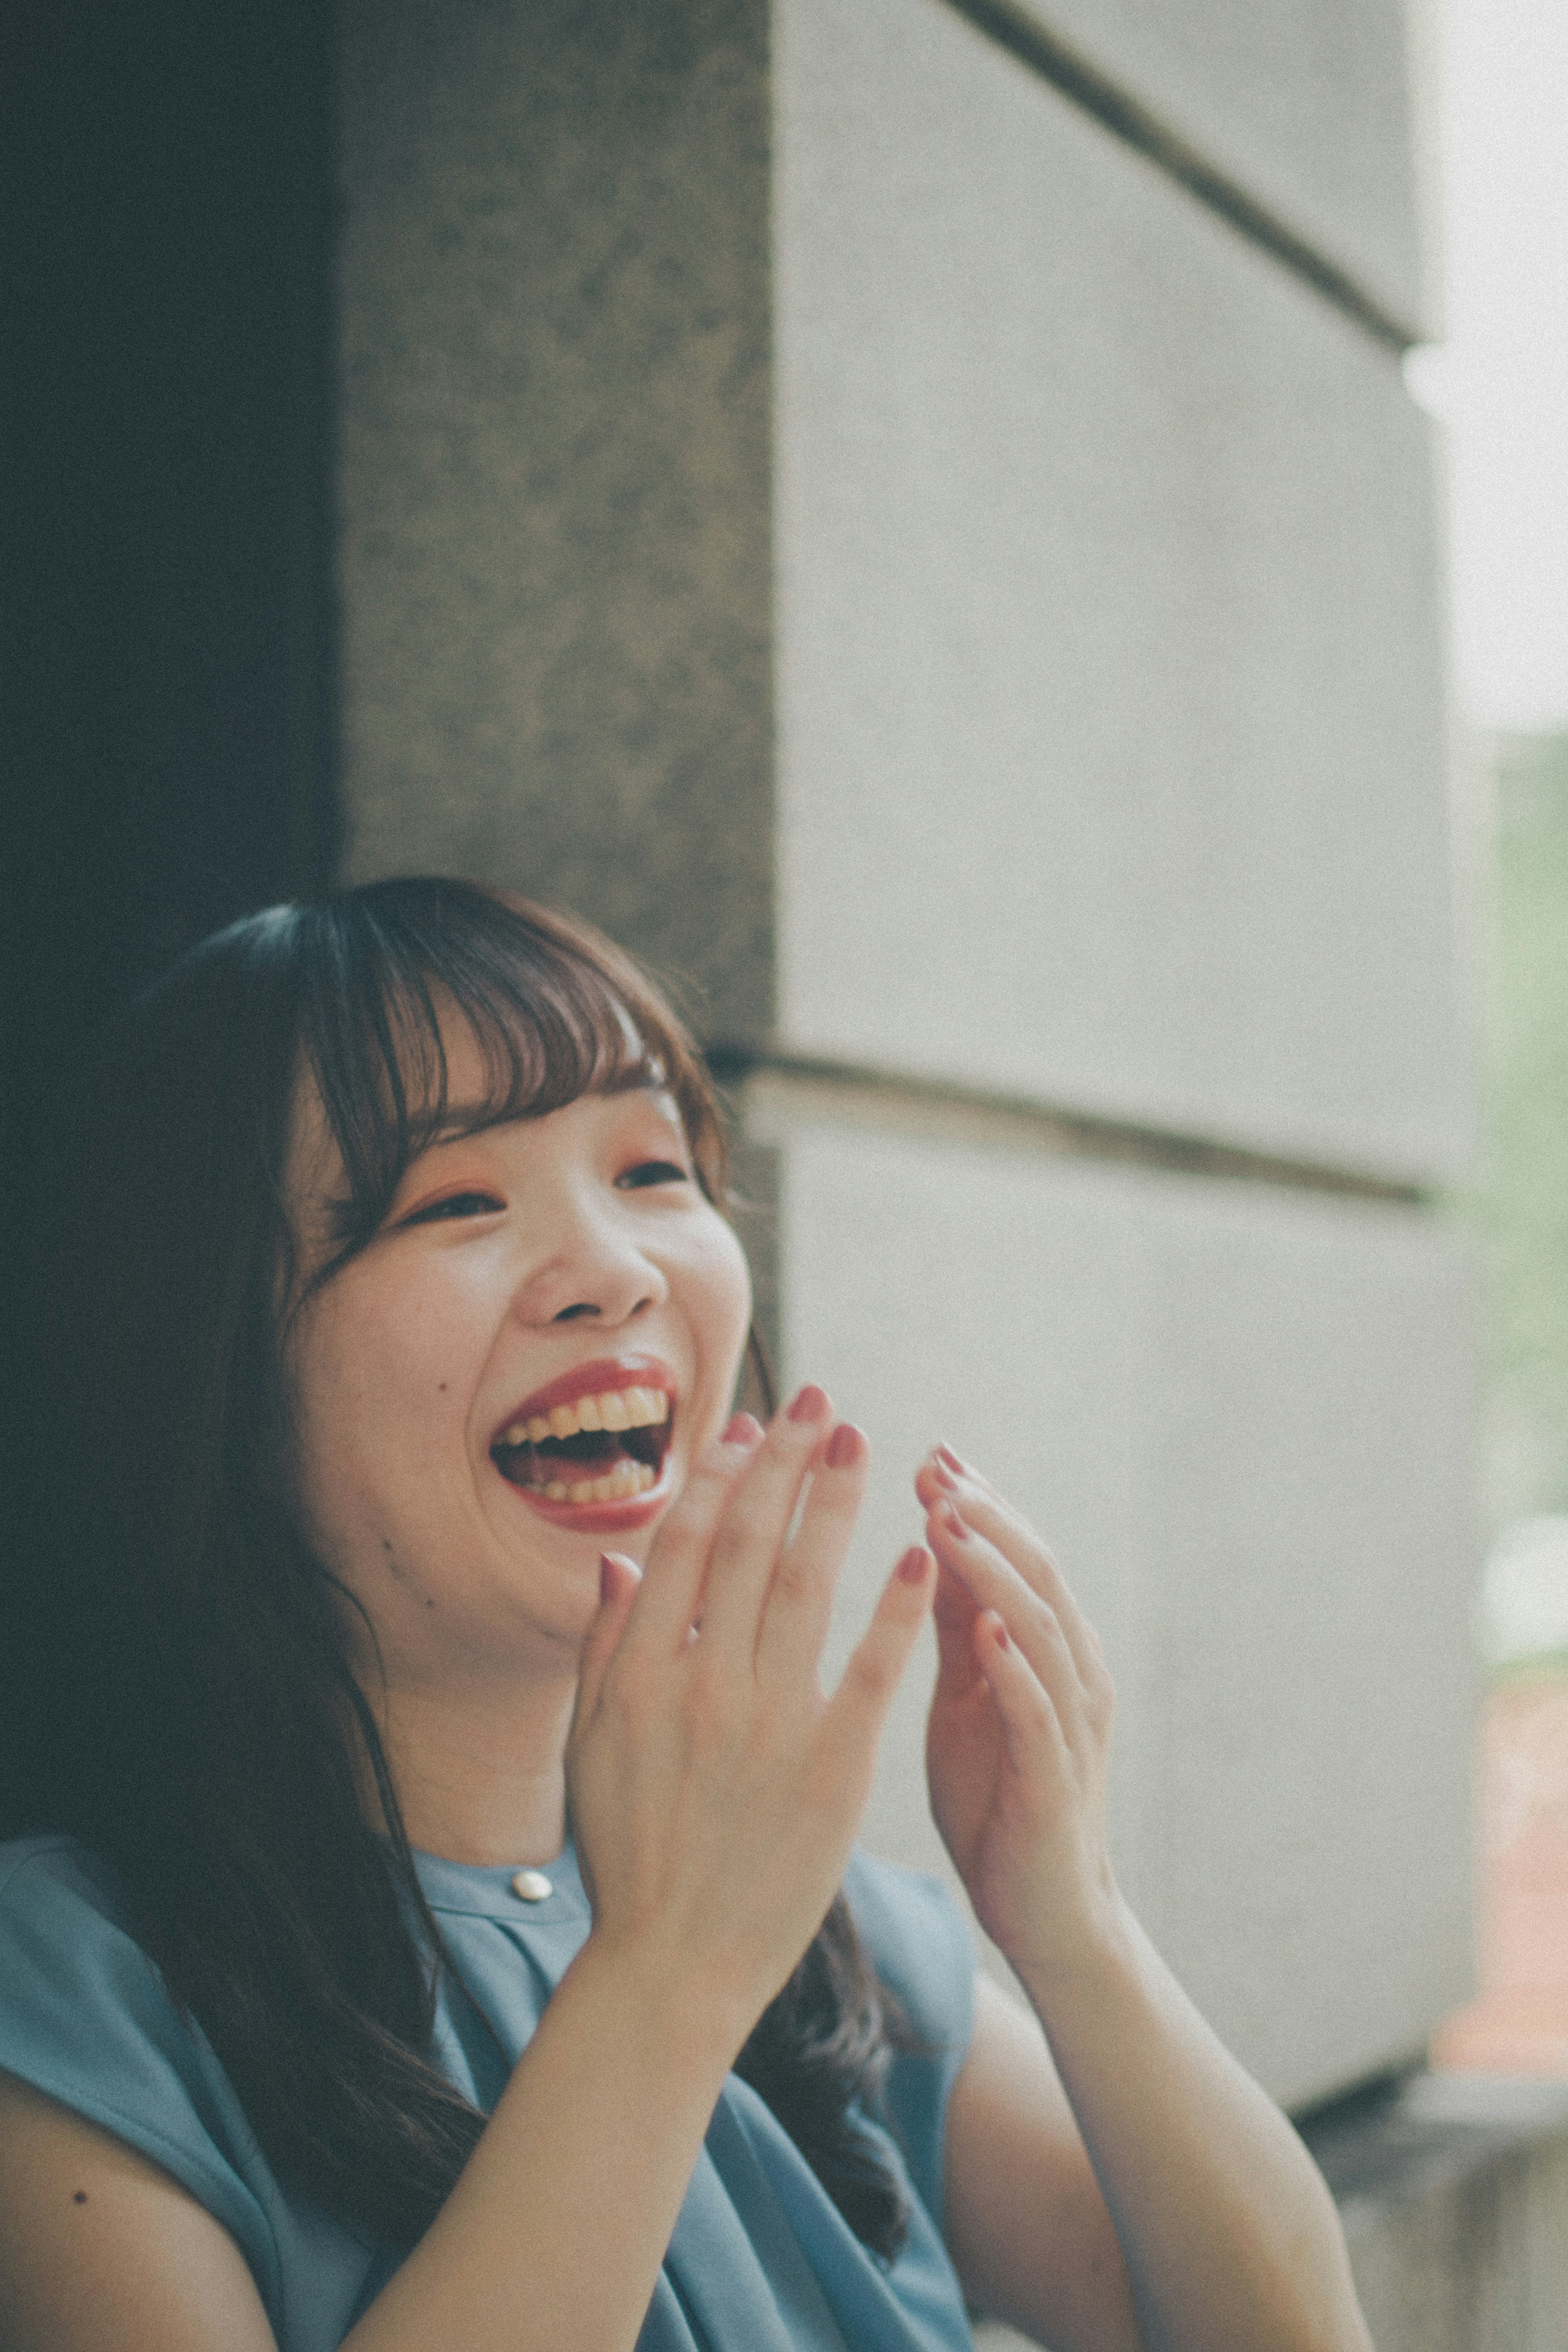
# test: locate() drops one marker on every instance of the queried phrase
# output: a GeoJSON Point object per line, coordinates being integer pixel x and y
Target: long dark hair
{"type": "Point", "coordinates": [184, 1705]}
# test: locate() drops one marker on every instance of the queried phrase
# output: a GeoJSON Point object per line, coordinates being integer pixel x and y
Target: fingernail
{"type": "Point", "coordinates": [954, 1461]}
{"type": "Point", "coordinates": [606, 1578]}
{"type": "Point", "coordinates": [741, 1429]}
{"type": "Point", "coordinates": [943, 1475]}
{"type": "Point", "coordinates": [1000, 1630]}
{"type": "Point", "coordinates": [809, 1405]}
{"type": "Point", "coordinates": [843, 1446]}
{"type": "Point", "coordinates": [912, 1567]}
{"type": "Point", "coordinates": [953, 1523]}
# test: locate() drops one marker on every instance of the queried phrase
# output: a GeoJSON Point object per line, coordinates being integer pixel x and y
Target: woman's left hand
{"type": "Point", "coordinates": [1231, 2239]}
{"type": "Point", "coordinates": [1019, 1730]}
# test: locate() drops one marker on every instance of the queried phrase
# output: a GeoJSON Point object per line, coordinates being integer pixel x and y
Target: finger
{"type": "Point", "coordinates": [755, 1521]}
{"type": "Point", "coordinates": [619, 1579]}
{"type": "Point", "coordinates": [852, 1720]}
{"type": "Point", "coordinates": [678, 1561]}
{"type": "Point", "coordinates": [1032, 1730]}
{"type": "Point", "coordinates": [799, 1599]}
{"type": "Point", "coordinates": [944, 1473]}
{"type": "Point", "coordinates": [997, 1587]}
{"type": "Point", "coordinates": [954, 1612]}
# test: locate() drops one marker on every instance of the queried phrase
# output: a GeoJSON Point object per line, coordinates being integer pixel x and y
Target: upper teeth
{"type": "Point", "coordinates": [616, 1408]}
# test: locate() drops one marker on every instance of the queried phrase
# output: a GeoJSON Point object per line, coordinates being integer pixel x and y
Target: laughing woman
{"type": "Point", "coordinates": [430, 1917]}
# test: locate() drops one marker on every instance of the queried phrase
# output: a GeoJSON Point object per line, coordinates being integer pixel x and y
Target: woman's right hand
{"type": "Point", "coordinates": [715, 1791]}
{"type": "Point", "coordinates": [713, 1795]}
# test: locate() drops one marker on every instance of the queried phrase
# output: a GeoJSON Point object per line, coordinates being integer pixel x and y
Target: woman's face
{"type": "Point", "coordinates": [515, 1373]}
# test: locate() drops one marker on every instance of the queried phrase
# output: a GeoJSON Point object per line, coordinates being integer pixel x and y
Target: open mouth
{"type": "Point", "coordinates": [607, 1447]}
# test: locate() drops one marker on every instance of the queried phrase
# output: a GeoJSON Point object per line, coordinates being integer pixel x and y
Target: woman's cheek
{"type": "Point", "coordinates": [729, 1314]}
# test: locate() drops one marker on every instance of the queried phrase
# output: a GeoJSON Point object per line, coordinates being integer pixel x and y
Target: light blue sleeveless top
{"type": "Point", "coordinates": [760, 2260]}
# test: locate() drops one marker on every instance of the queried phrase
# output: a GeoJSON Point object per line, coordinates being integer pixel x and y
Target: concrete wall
{"type": "Point", "coordinates": [818, 500]}
{"type": "Point", "coordinates": [1314, 111]}
{"type": "Point", "coordinates": [1240, 1415]}
{"type": "Point", "coordinates": [1111, 774]}
{"type": "Point", "coordinates": [1454, 2193]}
{"type": "Point", "coordinates": [555, 469]}
{"type": "Point", "coordinates": [1109, 703]}
{"type": "Point", "coordinates": [1454, 2196]}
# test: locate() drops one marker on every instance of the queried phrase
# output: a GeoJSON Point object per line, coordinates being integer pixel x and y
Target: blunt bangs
{"type": "Point", "coordinates": [555, 1011]}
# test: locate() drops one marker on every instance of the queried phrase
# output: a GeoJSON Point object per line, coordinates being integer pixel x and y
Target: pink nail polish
{"type": "Point", "coordinates": [955, 1462]}
{"type": "Point", "coordinates": [953, 1523]}
{"type": "Point", "coordinates": [912, 1567]}
{"type": "Point", "coordinates": [943, 1475]}
{"type": "Point", "coordinates": [843, 1446]}
{"type": "Point", "coordinates": [741, 1429]}
{"type": "Point", "coordinates": [1001, 1635]}
{"type": "Point", "coordinates": [809, 1405]}
{"type": "Point", "coordinates": [606, 1578]}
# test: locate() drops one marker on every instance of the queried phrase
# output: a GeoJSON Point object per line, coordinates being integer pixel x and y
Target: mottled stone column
{"type": "Point", "coordinates": [556, 465]}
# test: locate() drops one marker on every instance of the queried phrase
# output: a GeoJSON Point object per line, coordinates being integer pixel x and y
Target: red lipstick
{"type": "Point", "coordinates": [596, 1453]}
{"type": "Point", "coordinates": [600, 1518]}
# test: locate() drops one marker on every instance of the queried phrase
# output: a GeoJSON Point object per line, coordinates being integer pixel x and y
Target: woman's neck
{"type": "Point", "coordinates": [480, 1777]}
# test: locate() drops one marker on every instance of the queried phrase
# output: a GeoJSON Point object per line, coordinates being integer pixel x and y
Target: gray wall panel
{"type": "Point", "coordinates": [1306, 103]}
{"type": "Point", "coordinates": [1243, 1418]}
{"type": "Point", "coordinates": [1111, 755]}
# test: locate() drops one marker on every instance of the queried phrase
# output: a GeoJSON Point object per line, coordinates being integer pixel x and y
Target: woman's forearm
{"type": "Point", "coordinates": [555, 2232]}
{"type": "Point", "coordinates": [1231, 2237]}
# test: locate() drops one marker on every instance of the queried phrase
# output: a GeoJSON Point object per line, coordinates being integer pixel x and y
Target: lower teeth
{"type": "Point", "coordinates": [628, 1479]}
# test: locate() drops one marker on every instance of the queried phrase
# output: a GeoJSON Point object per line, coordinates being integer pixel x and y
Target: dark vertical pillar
{"type": "Point", "coordinates": [166, 722]}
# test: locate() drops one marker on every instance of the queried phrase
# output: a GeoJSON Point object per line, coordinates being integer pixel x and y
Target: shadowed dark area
{"type": "Point", "coordinates": [167, 635]}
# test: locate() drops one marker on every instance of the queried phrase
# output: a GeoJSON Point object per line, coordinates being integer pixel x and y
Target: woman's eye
{"type": "Point", "coordinates": [455, 1204]}
{"type": "Point", "coordinates": [653, 1171]}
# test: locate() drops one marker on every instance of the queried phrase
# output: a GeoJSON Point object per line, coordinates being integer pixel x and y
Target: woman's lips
{"type": "Point", "coordinates": [603, 1518]}
{"type": "Point", "coordinates": [590, 1450]}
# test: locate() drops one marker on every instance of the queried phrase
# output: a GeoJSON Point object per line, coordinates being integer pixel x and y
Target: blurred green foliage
{"type": "Point", "coordinates": [1521, 1200]}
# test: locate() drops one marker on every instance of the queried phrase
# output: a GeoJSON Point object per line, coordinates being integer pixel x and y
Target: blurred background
{"type": "Point", "coordinates": [1498, 383]}
{"type": "Point", "coordinates": [1016, 550]}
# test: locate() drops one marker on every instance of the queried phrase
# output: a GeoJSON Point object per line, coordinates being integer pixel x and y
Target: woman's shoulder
{"type": "Point", "coordinates": [86, 2017]}
{"type": "Point", "coordinates": [77, 1990]}
{"type": "Point", "coordinates": [63, 1921]}
{"type": "Point", "coordinates": [84, 2008]}
{"type": "Point", "coordinates": [65, 1926]}
{"type": "Point", "coordinates": [41, 1874]}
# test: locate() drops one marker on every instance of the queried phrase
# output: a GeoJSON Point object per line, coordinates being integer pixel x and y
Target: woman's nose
{"type": "Point", "coordinates": [594, 1270]}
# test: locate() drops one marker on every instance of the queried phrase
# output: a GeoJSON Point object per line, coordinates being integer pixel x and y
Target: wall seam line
{"type": "Point", "coordinates": [1060, 1128]}
{"type": "Point", "coordinates": [1045, 53]}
